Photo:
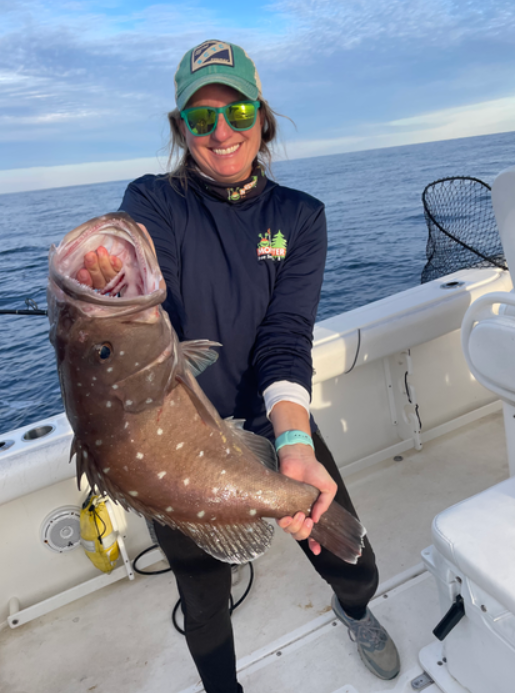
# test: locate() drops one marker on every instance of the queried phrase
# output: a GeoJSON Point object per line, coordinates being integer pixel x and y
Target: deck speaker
{"type": "Point", "coordinates": [60, 530]}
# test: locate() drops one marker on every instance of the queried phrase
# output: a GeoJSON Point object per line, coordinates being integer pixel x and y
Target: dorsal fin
{"type": "Point", "coordinates": [198, 354]}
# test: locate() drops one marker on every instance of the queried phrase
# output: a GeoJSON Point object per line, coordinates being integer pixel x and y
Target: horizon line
{"type": "Point", "coordinates": [110, 171]}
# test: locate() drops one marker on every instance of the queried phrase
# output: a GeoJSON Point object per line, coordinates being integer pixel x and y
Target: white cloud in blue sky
{"type": "Point", "coordinates": [84, 82]}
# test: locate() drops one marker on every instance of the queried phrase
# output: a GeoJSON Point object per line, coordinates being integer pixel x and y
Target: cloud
{"type": "Point", "coordinates": [85, 81]}
{"type": "Point", "coordinates": [451, 123]}
{"type": "Point", "coordinates": [331, 25]}
{"type": "Point", "coordinates": [43, 177]}
{"type": "Point", "coordinates": [467, 121]}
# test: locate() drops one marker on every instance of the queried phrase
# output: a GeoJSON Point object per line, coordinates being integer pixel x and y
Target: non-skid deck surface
{"type": "Point", "coordinates": [120, 639]}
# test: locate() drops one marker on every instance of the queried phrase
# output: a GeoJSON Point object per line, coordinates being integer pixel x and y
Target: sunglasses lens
{"type": "Point", "coordinates": [201, 121]}
{"type": "Point", "coordinates": [241, 116]}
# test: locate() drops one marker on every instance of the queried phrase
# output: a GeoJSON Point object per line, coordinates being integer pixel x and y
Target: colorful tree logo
{"type": "Point", "coordinates": [272, 248]}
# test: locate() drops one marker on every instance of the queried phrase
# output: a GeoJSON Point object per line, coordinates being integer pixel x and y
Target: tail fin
{"type": "Point", "coordinates": [340, 533]}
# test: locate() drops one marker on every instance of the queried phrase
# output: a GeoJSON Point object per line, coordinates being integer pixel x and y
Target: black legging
{"type": "Point", "coordinates": [205, 584]}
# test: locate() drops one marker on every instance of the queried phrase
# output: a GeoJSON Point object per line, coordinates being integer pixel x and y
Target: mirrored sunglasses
{"type": "Point", "coordinates": [201, 120]}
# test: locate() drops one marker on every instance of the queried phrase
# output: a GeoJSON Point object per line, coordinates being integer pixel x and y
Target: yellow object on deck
{"type": "Point", "coordinates": [97, 536]}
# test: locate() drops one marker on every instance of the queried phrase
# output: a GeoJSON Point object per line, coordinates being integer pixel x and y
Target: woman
{"type": "Point", "coordinates": [243, 259]}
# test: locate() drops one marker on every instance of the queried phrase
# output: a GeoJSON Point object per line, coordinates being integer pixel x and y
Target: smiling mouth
{"type": "Point", "coordinates": [226, 151]}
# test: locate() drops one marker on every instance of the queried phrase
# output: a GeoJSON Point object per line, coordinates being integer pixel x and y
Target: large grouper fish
{"type": "Point", "coordinates": [145, 433]}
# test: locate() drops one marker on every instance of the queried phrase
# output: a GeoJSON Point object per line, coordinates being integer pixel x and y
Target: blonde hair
{"type": "Point", "coordinates": [269, 132]}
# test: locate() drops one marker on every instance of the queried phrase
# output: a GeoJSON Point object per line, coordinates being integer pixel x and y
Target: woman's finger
{"type": "Point", "coordinates": [116, 263]}
{"type": "Point", "coordinates": [93, 267]}
{"type": "Point", "coordinates": [84, 277]}
{"type": "Point", "coordinates": [105, 264]}
{"type": "Point", "coordinates": [314, 546]}
{"type": "Point", "coordinates": [322, 503]}
{"type": "Point", "coordinates": [298, 526]}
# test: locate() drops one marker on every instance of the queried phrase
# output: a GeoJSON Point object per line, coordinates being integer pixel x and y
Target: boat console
{"type": "Point", "coordinates": [473, 554]}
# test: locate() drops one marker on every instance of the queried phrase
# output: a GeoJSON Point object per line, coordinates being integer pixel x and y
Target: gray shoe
{"type": "Point", "coordinates": [375, 646]}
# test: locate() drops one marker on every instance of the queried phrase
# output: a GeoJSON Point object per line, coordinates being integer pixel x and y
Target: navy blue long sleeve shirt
{"type": "Point", "coordinates": [245, 274]}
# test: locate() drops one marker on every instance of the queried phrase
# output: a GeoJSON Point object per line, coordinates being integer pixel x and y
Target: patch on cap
{"type": "Point", "coordinates": [212, 53]}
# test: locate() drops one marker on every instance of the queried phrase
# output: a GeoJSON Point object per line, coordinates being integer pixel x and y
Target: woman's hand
{"type": "Point", "coordinates": [299, 462]}
{"type": "Point", "coordinates": [99, 268]}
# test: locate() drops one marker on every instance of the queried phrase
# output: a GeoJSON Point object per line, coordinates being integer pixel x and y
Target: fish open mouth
{"type": "Point", "coordinates": [140, 275]}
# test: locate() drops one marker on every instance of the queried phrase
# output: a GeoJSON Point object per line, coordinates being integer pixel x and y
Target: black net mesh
{"type": "Point", "coordinates": [462, 228]}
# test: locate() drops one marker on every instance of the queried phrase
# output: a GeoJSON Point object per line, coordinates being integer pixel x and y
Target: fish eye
{"type": "Point", "coordinates": [103, 351]}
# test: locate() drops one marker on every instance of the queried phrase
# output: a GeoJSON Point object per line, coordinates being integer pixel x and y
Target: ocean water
{"type": "Point", "coordinates": [377, 236]}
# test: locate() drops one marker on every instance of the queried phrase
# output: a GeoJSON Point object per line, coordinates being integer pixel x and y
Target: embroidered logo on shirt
{"type": "Point", "coordinates": [271, 248]}
{"type": "Point", "coordinates": [212, 53]}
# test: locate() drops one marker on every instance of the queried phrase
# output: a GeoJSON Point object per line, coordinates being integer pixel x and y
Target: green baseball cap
{"type": "Point", "coordinates": [216, 62]}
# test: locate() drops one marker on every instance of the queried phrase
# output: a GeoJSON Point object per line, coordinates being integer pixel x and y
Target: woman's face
{"type": "Point", "coordinates": [225, 155]}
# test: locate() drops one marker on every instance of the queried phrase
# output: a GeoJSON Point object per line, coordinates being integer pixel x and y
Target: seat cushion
{"type": "Point", "coordinates": [478, 537]}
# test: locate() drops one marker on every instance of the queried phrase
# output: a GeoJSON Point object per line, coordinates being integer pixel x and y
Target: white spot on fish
{"type": "Point", "coordinates": [110, 369]}
{"type": "Point", "coordinates": [169, 509]}
{"type": "Point", "coordinates": [223, 471]}
{"type": "Point", "coordinates": [252, 512]}
{"type": "Point", "coordinates": [115, 387]}
{"type": "Point", "coordinates": [149, 400]}
{"type": "Point", "coordinates": [228, 451]}
{"type": "Point", "coordinates": [126, 424]}
{"type": "Point", "coordinates": [161, 474]}
{"type": "Point", "coordinates": [201, 514]}
{"type": "Point", "coordinates": [159, 431]}
{"type": "Point", "coordinates": [84, 452]}
{"type": "Point", "coordinates": [93, 378]}
{"type": "Point", "coordinates": [179, 446]}
{"type": "Point", "coordinates": [128, 402]}
{"type": "Point", "coordinates": [139, 455]}
{"type": "Point", "coordinates": [213, 518]}
{"type": "Point", "coordinates": [215, 490]}
{"type": "Point", "coordinates": [258, 493]}
{"type": "Point", "coordinates": [186, 482]}
{"type": "Point", "coordinates": [136, 364]}
{"type": "Point", "coordinates": [132, 441]}
{"type": "Point", "coordinates": [108, 404]}
{"type": "Point", "coordinates": [172, 403]}
{"type": "Point", "coordinates": [126, 468]}
{"type": "Point", "coordinates": [106, 470]}
{"type": "Point", "coordinates": [122, 353]}
{"type": "Point", "coordinates": [201, 453]}
{"type": "Point", "coordinates": [79, 384]}
{"type": "Point", "coordinates": [98, 442]}
{"type": "Point", "coordinates": [133, 493]}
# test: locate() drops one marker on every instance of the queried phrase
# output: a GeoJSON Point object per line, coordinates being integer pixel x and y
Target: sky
{"type": "Point", "coordinates": [85, 86]}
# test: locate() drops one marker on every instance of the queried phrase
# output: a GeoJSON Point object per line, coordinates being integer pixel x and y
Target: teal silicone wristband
{"type": "Point", "coordinates": [292, 438]}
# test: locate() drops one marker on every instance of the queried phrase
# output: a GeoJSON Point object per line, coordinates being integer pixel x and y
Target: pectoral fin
{"type": "Point", "coordinates": [260, 446]}
{"type": "Point", "coordinates": [199, 355]}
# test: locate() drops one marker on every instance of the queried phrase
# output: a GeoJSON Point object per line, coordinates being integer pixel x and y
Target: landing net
{"type": "Point", "coordinates": [462, 228]}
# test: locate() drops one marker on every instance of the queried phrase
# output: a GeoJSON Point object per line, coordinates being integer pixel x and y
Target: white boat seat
{"type": "Point", "coordinates": [474, 556]}
{"type": "Point", "coordinates": [478, 537]}
{"type": "Point", "coordinates": [488, 332]}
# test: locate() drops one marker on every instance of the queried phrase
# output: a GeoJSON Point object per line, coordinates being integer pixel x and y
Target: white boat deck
{"type": "Point", "coordinates": [121, 638]}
